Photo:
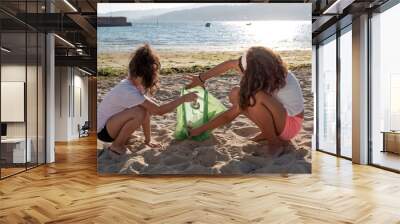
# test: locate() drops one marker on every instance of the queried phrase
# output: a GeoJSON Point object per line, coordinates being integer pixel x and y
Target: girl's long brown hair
{"type": "Point", "coordinates": [145, 63]}
{"type": "Point", "coordinates": [265, 71]}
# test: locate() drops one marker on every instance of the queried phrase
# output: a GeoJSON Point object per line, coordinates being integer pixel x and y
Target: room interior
{"type": "Point", "coordinates": [22, 101]}
{"type": "Point", "coordinates": [39, 81]}
{"type": "Point", "coordinates": [333, 45]}
{"type": "Point", "coordinates": [356, 160]}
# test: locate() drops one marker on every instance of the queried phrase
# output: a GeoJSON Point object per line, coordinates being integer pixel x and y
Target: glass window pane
{"type": "Point", "coordinates": [13, 85]}
{"type": "Point", "coordinates": [346, 94]}
{"type": "Point", "coordinates": [31, 97]}
{"type": "Point", "coordinates": [385, 114]}
{"type": "Point", "coordinates": [327, 96]}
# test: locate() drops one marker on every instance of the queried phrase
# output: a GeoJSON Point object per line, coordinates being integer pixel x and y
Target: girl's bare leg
{"type": "Point", "coordinates": [263, 118]}
{"type": "Point", "coordinates": [268, 114]}
{"type": "Point", "coordinates": [146, 127]}
{"type": "Point", "coordinates": [123, 124]}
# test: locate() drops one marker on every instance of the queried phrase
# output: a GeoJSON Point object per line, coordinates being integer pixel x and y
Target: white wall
{"type": "Point", "coordinates": [61, 103]}
{"type": "Point", "coordinates": [81, 102]}
{"type": "Point", "coordinates": [70, 83]}
{"type": "Point", "coordinates": [14, 73]}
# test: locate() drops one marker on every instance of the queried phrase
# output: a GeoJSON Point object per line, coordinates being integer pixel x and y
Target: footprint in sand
{"type": "Point", "coordinates": [161, 138]}
{"type": "Point", "coordinates": [239, 123]}
{"type": "Point", "coordinates": [305, 144]}
{"type": "Point", "coordinates": [152, 157]}
{"type": "Point", "coordinates": [246, 131]}
{"type": "Point", "coordinates": [173, 160]}
{"type": "Point", "coordinates": [161, 135]}
{"type": "Point", "coordinates": [208, 156]}
{"type": "Point", "coordinates": [162, 132]}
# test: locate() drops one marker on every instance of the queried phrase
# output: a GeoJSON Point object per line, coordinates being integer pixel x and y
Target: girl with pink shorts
{"type": "Point", "coordinates": [269, 95]}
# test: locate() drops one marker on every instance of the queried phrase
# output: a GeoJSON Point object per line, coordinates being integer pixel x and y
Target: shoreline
{"type": "Point", "coordinates": [173, 61]}
{"type": "Point", "coordinates": [195, 50]}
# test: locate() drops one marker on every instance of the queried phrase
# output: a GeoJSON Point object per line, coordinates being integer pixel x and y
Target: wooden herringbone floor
{"type": "Point", "coordinates": [70, 191]}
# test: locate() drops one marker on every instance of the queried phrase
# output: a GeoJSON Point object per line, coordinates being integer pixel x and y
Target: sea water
{"type": "Point", "coordinates": [195, 36]}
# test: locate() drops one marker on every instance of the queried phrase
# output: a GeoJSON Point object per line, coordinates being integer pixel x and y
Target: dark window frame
{"type": "Point", "coordinates": [339, 32]}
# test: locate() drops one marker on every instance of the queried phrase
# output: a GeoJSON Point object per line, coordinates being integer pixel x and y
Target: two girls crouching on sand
{"type": "Point", "coordinates": [269, 95]}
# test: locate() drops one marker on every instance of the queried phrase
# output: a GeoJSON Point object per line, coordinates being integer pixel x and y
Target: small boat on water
{"type": "Point", "coordinates": [208, 24]}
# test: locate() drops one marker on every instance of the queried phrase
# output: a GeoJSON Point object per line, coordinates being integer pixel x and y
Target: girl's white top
{"type": "Point", "coordinates": [123, 96]}
{"type": "Point", "coordinates": [291, 96]}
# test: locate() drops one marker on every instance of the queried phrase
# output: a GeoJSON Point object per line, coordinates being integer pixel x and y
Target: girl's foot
{"type": "Point", "coordinates": [153, 145]}
{"type": "Point", "coordinates": [278, 147]}
{"type": "Point", "coordinates": [117, 151]}
{"type": "Point", "coordinates": [258, 138]}
{"type": "Point", "coordinates": [276, 151]}
{"type": "Point", "coordinates": [114, 154]}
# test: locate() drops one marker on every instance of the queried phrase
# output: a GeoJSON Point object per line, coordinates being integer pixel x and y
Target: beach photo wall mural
{"type": "Point", "coordinates": [204, 89]}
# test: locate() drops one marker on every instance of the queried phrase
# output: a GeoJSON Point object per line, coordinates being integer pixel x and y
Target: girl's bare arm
{"type": "Point", "coordinates": [155, 109]}
{"type": "Point", "coordinates": [224, 118]}
{"type": "Point", "coordinates": [220, 69]}
{"type": "Point", "coordinates": [146, 127]}
{"type": "Point", "coordinates": [213, 72]}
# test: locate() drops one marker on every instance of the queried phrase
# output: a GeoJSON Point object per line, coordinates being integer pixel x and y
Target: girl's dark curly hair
{"type": "Point", "coordinates": [145, 63]}
{"type": "Point", "coordinates": [265, 71]}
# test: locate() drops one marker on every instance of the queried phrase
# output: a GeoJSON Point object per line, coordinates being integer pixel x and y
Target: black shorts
{"type": "Point", "coordinates": [104, 136]}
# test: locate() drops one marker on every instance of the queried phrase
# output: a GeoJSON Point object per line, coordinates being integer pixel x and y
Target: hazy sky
{"type": "Point", "coordinates": [298, 9]}
{"type": "Point", "coordinates": [112, 7]}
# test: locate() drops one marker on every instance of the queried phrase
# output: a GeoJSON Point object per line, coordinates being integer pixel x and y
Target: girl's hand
{"type": "Point", "coordinates": [141, 89]}
{"type": "Point", "coordinates": [190, 97]}
{"type": "Point", "coordinates": [152, 145]}
{"type": "Point", "coordinates": [194, 81]}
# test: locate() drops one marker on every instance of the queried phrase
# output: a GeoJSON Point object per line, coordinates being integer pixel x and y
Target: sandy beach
{"type": "Point", "coordinates": [229, 151]}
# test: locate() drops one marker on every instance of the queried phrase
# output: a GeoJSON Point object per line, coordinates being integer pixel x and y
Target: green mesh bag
{"type": "Point", "coordinates": [194, 115]}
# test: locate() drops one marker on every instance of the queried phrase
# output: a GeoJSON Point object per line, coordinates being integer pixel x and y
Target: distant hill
{"type": "Point", "coordinates": [138, 14]}
{"type": "Point", "coordinates": [232, 13]}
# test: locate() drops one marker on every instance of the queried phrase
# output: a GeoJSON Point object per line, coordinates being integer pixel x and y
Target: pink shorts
{"type": "Point", "coordinates": [292, 127]}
